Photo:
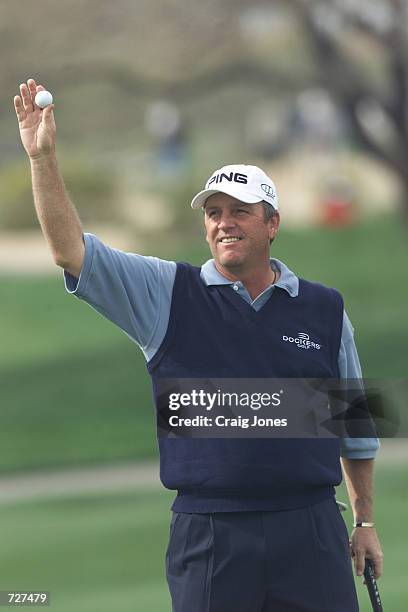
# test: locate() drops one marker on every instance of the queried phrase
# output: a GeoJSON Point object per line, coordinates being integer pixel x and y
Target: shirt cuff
{"type": "Point", "coordinates": [359, 448]}
{"type": "Point", "coordinates": [77, 286]}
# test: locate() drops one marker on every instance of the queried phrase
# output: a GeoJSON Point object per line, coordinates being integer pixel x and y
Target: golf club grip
{"type": "Point", "coordinates": [372, 587]}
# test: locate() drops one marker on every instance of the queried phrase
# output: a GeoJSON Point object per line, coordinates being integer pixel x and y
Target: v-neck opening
{"type": "Point", "coordinates": [242, 304]}
{"type": "Point", "coordinates": [260, 295]}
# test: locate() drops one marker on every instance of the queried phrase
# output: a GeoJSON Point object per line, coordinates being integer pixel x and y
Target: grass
{"type": "Point", "coordinates": [391, 505]}
{"type": "Point", "coordinates": [75, 390]}
{"type": "Point", "coordinates": [96, 553]}
{"type": "Point", "coordinates": [75, 410]}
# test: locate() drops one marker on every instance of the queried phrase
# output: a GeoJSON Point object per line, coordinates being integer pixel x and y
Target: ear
{"type": "Point", "coordinates": [273, 225]}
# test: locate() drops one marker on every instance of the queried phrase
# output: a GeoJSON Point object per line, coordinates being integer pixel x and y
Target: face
{"type": "Point", "coordinates": [237, 233]}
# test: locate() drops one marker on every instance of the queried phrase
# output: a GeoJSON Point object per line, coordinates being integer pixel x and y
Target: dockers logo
{"type": "Point", "coordinates": [235, 177]}
{"type": "Point", "coordinates": [302, 341]}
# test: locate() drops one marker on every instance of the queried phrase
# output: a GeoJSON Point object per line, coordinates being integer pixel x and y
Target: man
{"type": "Point", "coordinates": [255, 525]}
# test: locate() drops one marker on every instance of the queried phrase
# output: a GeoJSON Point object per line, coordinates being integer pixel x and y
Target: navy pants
{"type": "Point", "coordinates": [289, 561]}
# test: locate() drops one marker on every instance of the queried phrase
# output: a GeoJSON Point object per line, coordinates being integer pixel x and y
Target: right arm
{"type": "Point", "coordinates": [58, 217]}
{"type": "Point", "coordinates": [132, 291]}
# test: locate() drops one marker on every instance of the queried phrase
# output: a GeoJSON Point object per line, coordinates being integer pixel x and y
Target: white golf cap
{"type": "Point", "coordinates": [248, 184]}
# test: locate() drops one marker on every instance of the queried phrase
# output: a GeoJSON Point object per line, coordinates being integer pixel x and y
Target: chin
{"type": "Point", "coordinates": [230, 262]}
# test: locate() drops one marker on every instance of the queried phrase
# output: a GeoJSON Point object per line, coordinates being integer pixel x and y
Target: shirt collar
{"type": "Point", "coordinates": [287, 280]}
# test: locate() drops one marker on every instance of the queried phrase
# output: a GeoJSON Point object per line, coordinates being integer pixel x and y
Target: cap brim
{"type": "Point", "coordinates": [200, 199]}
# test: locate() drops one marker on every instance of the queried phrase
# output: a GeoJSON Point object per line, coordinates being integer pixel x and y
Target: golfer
{"type": "Point", "coordinates": [255, 526]}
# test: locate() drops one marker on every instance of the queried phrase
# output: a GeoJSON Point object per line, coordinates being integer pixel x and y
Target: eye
{"type": "Point", "coordinates": [242, 211]}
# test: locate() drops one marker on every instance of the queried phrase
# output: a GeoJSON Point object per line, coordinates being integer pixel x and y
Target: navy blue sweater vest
{"type": "Point", "coordinates": [214, 333]}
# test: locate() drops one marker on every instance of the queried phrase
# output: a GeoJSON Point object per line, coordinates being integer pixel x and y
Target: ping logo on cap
{"type": "Point", "coordinates": [246, 183]}
{"type": "Point", "coordinates": [236, 177]}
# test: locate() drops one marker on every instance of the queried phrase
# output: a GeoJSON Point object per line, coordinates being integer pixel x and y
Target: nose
{"type": "Point", "coordinates": [226, 221]}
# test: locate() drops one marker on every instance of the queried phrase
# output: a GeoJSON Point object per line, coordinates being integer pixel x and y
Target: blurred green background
{"type": "Point", "coordinates": [75, 389]}
{"type": "Point", "coordinates": [150, 98]}
{"type": "Point", "coordinates": [106, 551]}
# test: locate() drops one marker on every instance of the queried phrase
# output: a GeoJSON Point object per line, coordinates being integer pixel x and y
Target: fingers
{"type": "Point", "coordinates": [378, 565]}
{"type": "Point", "coordinates": [47, 114]}
{"type": "Point", "coordinates": [32, 88]}
{"type": "Point", "coordinates": [28, 101]}
{"type": "Point", "coordinates": [358, 556]}
{"type": "Point", "coordinates": [24, 103]}
{"type": "Point", "coordinates": [19, 108]}
{"type": "Point", "coordinates": [364, 544]}
{"type": "Point", "coordinates": [28, 92]}
{"type": "Point", "coordinates": [359, 562]}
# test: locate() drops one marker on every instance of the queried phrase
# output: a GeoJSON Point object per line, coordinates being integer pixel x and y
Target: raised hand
{"type": "Point", "coordinates": [37, 126]}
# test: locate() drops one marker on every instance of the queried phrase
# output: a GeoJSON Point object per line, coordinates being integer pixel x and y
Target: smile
{"type": "Point", "coordinates": [230, 239]}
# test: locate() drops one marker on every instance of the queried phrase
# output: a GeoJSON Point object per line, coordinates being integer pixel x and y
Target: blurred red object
{"type": "Point", "coordinates": [338, 202]}
{"type": "Point", "coordinates": [337, 212]}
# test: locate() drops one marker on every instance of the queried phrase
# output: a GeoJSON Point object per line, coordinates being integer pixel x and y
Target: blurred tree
{"type": "Point", "coordinates": [93, 189]}
{"type": "Point", "coordinates": [361, 54]}
{"type": "Point", "coordinates": [126, 54]}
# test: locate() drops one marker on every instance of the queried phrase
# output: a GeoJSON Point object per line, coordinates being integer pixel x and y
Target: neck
{"type": "Point", "coordinates": [254, 280]}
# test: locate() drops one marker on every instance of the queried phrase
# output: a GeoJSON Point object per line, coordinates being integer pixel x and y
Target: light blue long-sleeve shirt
{"type": "Point", "coordinates": [135, 293]}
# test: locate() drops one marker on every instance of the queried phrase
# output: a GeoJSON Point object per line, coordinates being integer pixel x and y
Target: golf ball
{"type": "Point", "coordinates": [43, 99]}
